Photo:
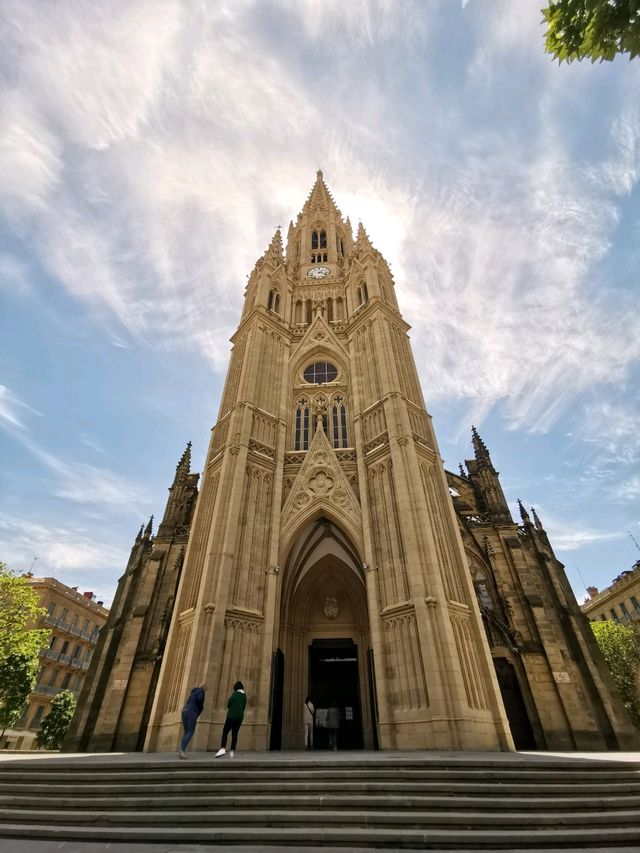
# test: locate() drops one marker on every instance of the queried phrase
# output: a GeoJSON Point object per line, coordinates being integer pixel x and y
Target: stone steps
{"type": "Point", "coordinates": [449, 802]}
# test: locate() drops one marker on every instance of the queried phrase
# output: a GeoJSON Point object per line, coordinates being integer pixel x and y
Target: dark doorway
{"type": "Point", "coordinates": [334, 678]}
{"type": "Point", "coordinates": [275, 699]}
{"type": "Point", "coordinates": [519, 723]}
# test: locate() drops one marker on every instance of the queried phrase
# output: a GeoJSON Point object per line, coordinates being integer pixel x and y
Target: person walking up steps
{"type": "Point", "coordinates": [235, 714]}
{"type": "Point", "coordinates": [190, 713]}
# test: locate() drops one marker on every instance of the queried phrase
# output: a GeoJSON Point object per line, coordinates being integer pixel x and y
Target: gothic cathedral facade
{"type": "Point", "coordinates": [328, 553]}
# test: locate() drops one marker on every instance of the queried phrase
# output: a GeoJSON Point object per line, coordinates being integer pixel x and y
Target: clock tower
{"type": "Point", "coordinates": [324, 556]}
{"type": "Point", "coordinates": [325, 552]}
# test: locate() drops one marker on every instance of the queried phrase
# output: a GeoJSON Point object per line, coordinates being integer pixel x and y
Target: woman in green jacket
{"type": "Point", "coordinates": [235, 714]}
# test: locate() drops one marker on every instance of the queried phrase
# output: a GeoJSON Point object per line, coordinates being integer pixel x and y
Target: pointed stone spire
{"type": "Point", "coordinates": [363, 243]}
{"type": "Point", "coordinates": [320, 199]}
{"type": "Point", "coordinates": [148, 529]}
{"type": "Point", "coordinates": [480, 450]}
{"type": "Point", "coordinates": [463, 473]}
{"type": "Point", "coordinates": [536, 520]}
{"type": "Point", "coordinates": [274, 251]}
{"type": "Point", "coordinates": [524, 515]}
{"type": "Point", "coordinates": [184, 465]}
{"type": "Point", "coordinates": [139, 536]}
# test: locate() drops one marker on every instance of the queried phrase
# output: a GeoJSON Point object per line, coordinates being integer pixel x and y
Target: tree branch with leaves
{"type": "Point", "coordinates": [592, 29]}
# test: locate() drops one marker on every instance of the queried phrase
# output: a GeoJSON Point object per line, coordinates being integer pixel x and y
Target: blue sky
{"type": "Point", "coordinates": [148, 149]}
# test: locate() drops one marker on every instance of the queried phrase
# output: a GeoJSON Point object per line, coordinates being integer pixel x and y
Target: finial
{"type": "Point", "coordinates": [148, 529]}
{"type": "Point", "coordinates": [536, 520]}
{"type": "Point", "coordinates": [184, 465]}
{"type": "Point", "coordinates": [480, 449]}
{"type": "Point", "coordinates": [524, 515]}
{"type": "Point", "coordinates": [139, 536]}
{"type": "Point", "coordinates": [463, 473]}
{"type": "Point", "coordinates": [319, 175]}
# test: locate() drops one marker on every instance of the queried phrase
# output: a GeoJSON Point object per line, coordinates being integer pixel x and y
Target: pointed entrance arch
{"type": "Point", "coordinates": [324, 634]}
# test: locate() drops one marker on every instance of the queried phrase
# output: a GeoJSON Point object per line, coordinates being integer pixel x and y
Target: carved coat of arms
{"type": "Point", "coordinates": [331, 608]}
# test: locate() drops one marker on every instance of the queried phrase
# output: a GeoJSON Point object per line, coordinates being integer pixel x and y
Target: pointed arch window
{"type": "Point", "coordinates": [301, 429]}
{"type": "Point", "coordinates": [323, 239]}
{"type": "Point", "coordinates": [273, 303]}
{"type": "Point", "coordinates": [314, 240]}
{"type": "Point", "coordinates": [483, 591]}
{"type": "Point", "coordinates": [339, 422]}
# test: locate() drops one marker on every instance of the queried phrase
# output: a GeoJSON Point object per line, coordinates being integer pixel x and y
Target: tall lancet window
{"type": "Point", "coordinates": [273, 303]}
{"type": "Point", "coordinates": [339, 423]}
{"type": "Point", "coordinates": [483, 591]}
{"type": "Point", "coordinates": [301, 429]}
{"type": "Point", "coordinates": [318, 241]}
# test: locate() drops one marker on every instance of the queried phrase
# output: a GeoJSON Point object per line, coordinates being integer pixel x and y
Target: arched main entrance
{"type": "Point", "coordinates": [324, 638]}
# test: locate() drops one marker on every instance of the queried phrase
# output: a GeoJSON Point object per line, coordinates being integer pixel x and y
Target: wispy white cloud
{"type": "Point", "coordinates": [68, 553]}
{"type": "Point", "coordinates": [75, 481]}
{"type": "Point", "coordinates": [12, 409]}
{"type": "Point", "coordinates": [569, 535]}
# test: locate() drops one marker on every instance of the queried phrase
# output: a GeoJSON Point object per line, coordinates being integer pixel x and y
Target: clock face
{"type": "Point", "coordinates": [318, 272]}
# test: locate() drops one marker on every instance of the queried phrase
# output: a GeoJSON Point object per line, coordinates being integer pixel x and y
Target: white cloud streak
{"type": "Point", "coordinates": [154, 146]}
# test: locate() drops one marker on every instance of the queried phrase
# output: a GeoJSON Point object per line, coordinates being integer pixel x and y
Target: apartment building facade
{"type": "Point", "coordinates": [619, 602]}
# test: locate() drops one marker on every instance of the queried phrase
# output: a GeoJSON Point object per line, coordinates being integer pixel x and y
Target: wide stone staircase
{"type": "Point", "coordinates": [414, 800]}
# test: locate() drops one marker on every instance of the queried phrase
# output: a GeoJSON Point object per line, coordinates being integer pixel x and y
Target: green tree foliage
{"type": "Point", "coordinates": [621, 650]}
{"type": "Point", "coordinates": [594, 29]}
{"type": "Point", "coordinates": [19, 609]}
{"type": "Point", "coordinates": [18, 673]}
{"type": "Point", "coordinates": [56, 724]}
{"type": "Point", "coordinates": [19, 644]}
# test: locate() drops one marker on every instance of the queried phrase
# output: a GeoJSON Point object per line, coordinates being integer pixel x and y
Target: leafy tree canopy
{"type": "Point", "coordinates": [18, 673]}
{"type": "Point", "coordinates": [19, 609]}
{"type": "Point", "coordinates": [620, 649]}
{"type": "Point", "coordinates": [56, 724]}
{"type": "Point", "coordinates": [594, 29]}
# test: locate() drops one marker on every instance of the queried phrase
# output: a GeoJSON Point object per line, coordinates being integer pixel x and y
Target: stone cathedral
{"type": "Point", "coordinates": [325, 551]}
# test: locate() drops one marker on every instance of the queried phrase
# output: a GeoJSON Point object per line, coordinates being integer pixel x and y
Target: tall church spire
{"type": "Point", "coordinates": [480, 450]}
{"type": "Point", "coordinates": [320, 199]}
{"type": "Point", "coordinates": [184, 465]}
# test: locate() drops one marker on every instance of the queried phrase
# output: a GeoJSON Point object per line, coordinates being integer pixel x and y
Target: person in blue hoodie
{"type": "Point", "coordinates": [190, 713]}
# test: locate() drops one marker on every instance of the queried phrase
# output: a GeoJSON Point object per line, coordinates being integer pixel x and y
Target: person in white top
{"type": "Point", "coordinates": [309, 713]}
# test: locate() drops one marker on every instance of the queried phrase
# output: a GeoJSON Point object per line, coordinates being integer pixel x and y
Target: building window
{"type": "Point", "coordinates": [65, 681]}
{"type": "Point", "coordinates": [51, 608]}
{"type": "Point", "coordinates": [314, 240]}
{"type": "Point", "coordinates": [319, 372]}
{"type": "Point", "coordinates": [63, 615]}
{"type": "Point", "coordinates": [64, 648]}
{"type": "Point", "coordinates": [625, 613]}
{"type": "Point", "coordinates": [52, 642]}
{"type": "Point", "coordinates": [273, 303]}
{"type": "Point", "coordinates": [85, 625]}
{"type": "Point", "coordinates": [483, 593]}
{"type": "Point", "coordinates": [603, 618]}
{"type": "Point", "coordinates": [53, 678]}
{"type": "Point", "coordinates": [614, 615]}
{"type": "Point", "coordinates": [339, 423]}
{"type": "Point", "coordinates": [341, 247]}
{"type": "Point", "coordinates": [37, 716]}
{"type": "Point", "coordinates": [636, 604]}
{"type": "Point", "coordinates": [301, 436]}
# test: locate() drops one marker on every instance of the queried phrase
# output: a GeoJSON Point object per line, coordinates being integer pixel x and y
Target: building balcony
{"type": "Point", "coordinates": [45, 690]}
{"type": "Point", "coordinates": [68, 660]}
{"type": "Point", "coordinates": [73, 630]}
